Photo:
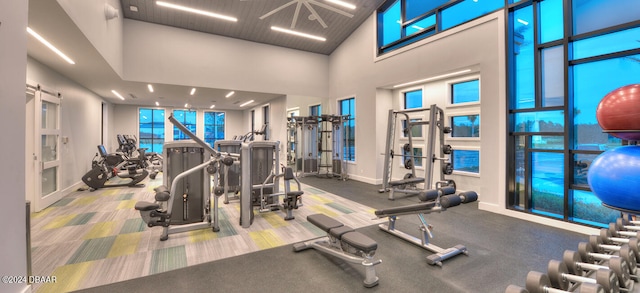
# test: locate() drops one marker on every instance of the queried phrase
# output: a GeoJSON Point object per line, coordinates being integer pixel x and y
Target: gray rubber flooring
{"type": "Point", "coordinates": [502, 250]}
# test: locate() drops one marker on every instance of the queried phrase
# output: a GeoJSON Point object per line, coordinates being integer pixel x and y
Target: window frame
{"type": "Point", "coordinates": [164, 127]}
{"type": "Point", "coordinates": [449, 116]}
{"type": "Point", "coordinates": [467, 173]}
{"type": "Point", "coordinates": [351, 117]}
{"type": "Point", "coordinates": [204, 124]}
{"type": "Point", "coordinates": [175, 128]}
{"type": "Point", "coordinates": [450, 83]}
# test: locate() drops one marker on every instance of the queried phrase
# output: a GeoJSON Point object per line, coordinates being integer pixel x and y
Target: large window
{"type": "Point", "coordinates": [151, 129]}
{"type": "Point", "coordinates": [402, 22]}
{"type": "Point", "coordinates": [413, 99]}
{"type": "Point", "coordinates": [188, 119]}
{"type": "Point", "coordinates": [213, 127]}
{"type": "Point", "coordinates": [466, 161]}
{"type": "Point", "coordinates": [465, 125]}
{"type": "Point", "coordinates": [556, 81]}
{"type": "Point", "coordinates": [465, 92]}
{"type": "Point", "coordinates": [315, 110]}
{"type": "Point", "coordinates": [265, 121]}
{"type": "Point", "coordinates": [348, 107]}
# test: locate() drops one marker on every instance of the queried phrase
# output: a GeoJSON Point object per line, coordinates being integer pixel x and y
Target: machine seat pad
{"type": "Point", "coordinates": [162, 193]}
{"type": "Point", "coordinates": [339, 231]}
{"type": "Point", "coordinates": [413, 180]}
{"type": "Point", "coordinates": [324, 222]}
{"type": "Point", "coordinates": [414, 208]}
{"type": "Point", "coordinates": [146, 206]}
{"type": "Point", "coordinates": [294, 193]}
{"type": "Point", "coordinates": [360, 241]}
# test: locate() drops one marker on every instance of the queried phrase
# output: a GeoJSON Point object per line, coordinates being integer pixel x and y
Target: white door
{"type": "Point", "coordinates": [46, 149]}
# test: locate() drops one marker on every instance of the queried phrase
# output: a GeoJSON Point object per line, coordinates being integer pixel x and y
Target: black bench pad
{"type": "Point", "coordinates": [406, 209]}
{"type": "Point", "coordinates": [413, 180]}
{"type": "Point", "coordinates": [339, 231]}
{"type": "Point", "coordinates": [360, 241]}
{"type": "Point", "coordinates": [295, 193]}
{"type": "Point", "coordinates": [146, 206]}
{"type": "Point", "coordinates": [324, 222]}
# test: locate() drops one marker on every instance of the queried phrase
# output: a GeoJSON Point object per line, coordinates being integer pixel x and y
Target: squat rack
{"type": "Point", "coordinates": [434, 118]}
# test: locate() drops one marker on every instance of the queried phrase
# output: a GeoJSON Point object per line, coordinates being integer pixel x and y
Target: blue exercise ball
{"type": "Point", "coordinates": [614, 177]}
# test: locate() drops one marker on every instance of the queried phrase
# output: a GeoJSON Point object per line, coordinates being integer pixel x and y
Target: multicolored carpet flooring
{"type": "Point", "coordinates": [89, 239]}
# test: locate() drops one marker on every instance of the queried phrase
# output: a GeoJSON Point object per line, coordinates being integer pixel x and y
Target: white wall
{"type": "Point", "coordinates": [80, 121]}
{"type": "Point", "coordinates": [13, 57]}
{"type": "Point", "coordinates": [205, 60]}
{"type": "Point", "coordinates": [355, 71]}
{"type": "Point", "coordinates": [303, 103]}
{"type": "Point", "coordinates": [105, 35]}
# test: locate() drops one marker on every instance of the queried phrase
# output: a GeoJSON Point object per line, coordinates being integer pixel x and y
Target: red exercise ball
{"type": "Point", "coordinates": [620, 110]}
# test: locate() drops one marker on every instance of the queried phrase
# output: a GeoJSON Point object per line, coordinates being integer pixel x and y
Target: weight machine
{"type": "Point", "coordinates": [317, 142]}
{"type": "Point", "coordinates": [433, 117]}
{"type": "Point", "coordinates": [230, 181]}
{"type": "Point", "coordinates": [187, 172]}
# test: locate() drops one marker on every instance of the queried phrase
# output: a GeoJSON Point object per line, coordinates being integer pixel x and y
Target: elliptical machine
{"type": "Point", "coordinates": [106, 166]}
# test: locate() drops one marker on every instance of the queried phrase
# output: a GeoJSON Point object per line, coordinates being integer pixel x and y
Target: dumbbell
{"type": "Point", "coordinates": [599, 245]}
{"type": "Point", "coordinates": [452, 200]}
{"type": "Point", "coordinates": [617, 265]}
{"type": "Point", "coordinates": [633, 242]}
{"type": "Point", "coordinates": [588, 255]}
{"type": "Point", "coordinates": [622, 224]}
{"type": "Point", "coordinates": [621, 233]}
{"type": "Point", "coordinates": [560, 278]}
{"type": "Point", "coordinates": [539, 283]}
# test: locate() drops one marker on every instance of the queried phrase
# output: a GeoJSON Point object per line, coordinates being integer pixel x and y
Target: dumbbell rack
{"type": "Point", "coordinates": [616, 250]}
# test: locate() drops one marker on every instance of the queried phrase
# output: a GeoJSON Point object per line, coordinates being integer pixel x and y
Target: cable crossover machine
{"type": "Point", "coordinates": [316, 145]}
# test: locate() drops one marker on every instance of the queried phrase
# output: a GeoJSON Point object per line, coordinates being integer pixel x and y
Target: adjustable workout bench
{"type": "Point", "coordinates": [432, 201]}
{"type": "Point", "coordinates": [343, 242]}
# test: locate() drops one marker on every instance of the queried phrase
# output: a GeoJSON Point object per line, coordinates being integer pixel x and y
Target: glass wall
{"type": "Point", "coordinates": [558, 74]}
{"type": "Point", "coordinates": [402, 22]}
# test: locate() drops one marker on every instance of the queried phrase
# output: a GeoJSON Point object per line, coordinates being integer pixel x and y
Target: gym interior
{"type": "Point", "coordinates": [317, 145]}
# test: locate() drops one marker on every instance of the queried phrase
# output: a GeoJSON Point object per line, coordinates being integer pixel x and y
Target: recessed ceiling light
{"type": "Point", "coordinates": [49, 45]}
{"type": "Point", "coordinates": [296, 33]}
{"type": "Point", "coordinates": [133, 8]}
{"type": "Point", "coordinates": [196, 11]}
{"type": "Point", "coordinates": [150, 87]}
{"type": "Point", "coordinates": [212, 106]}
{"type": "Point", "coordinates": [342, 3]}
{"type": "Point", "coordinates": [246, 103]}
{"type": "Point", "coordinates": [193, 91]}
{"type": "Point", "coordinates": [230, 94]}
{"type": "Point", "coordinates": [117, 94]}
{"type": "Point", "coordinates": [157, 104]}
{"type": "Point", "coordinates": [186, 105]}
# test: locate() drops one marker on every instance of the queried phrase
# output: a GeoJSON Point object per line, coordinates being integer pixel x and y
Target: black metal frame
{"type": "Point", "coordinates": [568, 134]}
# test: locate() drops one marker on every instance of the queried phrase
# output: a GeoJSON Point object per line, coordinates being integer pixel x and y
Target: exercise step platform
{"type": "Point", "coordinates": [345, 243]}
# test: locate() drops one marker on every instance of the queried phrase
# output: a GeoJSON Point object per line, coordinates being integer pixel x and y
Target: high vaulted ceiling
{"type": "Point", "coordinates": [255, 18]}
{"type": "Point", "coordinates": [254, 21]}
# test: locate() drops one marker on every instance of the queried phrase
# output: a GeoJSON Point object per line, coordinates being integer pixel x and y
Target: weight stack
{"type": "Point", "coordinates": [180, 156]}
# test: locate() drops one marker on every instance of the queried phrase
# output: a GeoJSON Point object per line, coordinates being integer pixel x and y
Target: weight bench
{"type": "Point", "coordinates": [428, 205]}
{"type": "Point", "coordinates": [343, 242]}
